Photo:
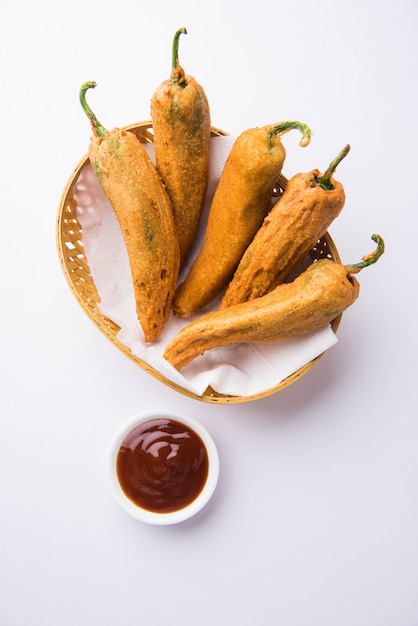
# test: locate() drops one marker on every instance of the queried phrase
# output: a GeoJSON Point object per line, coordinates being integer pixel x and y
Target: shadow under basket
{"type": "Point", "coordinates": [76, 270]}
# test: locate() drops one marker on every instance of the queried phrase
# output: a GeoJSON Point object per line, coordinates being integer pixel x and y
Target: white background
{"type": "Point", "coordinates": [314, 521]}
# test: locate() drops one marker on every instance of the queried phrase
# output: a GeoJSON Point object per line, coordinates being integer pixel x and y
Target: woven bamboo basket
{"type": "Point", "coordinates": [69, 238]}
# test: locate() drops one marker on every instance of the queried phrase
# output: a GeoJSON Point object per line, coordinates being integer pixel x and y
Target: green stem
{"type": "Point", "coordinates": [326, 179]}
{"type": "Point", "coordinates": [98, 129]}
{"type": "Point", "coordinates": [284, 127]}
{"type": "Point", "coordinates": [368, 259]}
{"type": "Point", "coordinates": [175, 48]}
{"type": "Point", "coordinates": [177, 73]}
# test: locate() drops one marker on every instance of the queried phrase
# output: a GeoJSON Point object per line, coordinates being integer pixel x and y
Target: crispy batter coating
{"type": "Point", "coordinates": [290, 230]}
{"type": "Point", "coordinates": [143, 210]}
{"type": "Point", "coordinates": [241, 201]}
{"type": "Point", "coordinates": [323, 291]}
{"type": "Point", "coordinates": [181, 122]}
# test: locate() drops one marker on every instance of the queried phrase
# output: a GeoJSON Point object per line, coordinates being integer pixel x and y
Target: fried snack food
{"type": "Point", "coordinates": [316, 297]}
{"type": "Point", "coordinates": [241, 202]}
{"type": "Point", "coordinates": [182, 128]}
{"type": "Point", "coordinates": [143, 210]}
{"type": "Point", "coordinates": [309, 204]}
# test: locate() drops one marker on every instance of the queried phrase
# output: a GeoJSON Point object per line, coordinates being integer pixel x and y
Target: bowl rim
{"type": "Point", "coordinates": [145, 515]}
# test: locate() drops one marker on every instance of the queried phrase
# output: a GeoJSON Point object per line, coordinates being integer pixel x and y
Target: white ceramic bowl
{"type": "Point", "coordinates": [181, 514]}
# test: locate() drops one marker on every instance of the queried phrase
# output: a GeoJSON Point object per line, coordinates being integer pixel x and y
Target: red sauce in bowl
{"type": "Point", "coordinates": [162, 465]}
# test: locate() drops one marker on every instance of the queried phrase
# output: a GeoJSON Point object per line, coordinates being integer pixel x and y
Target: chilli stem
{"type": "Point", "coordinates": [369, 259]}
{"type": "Point", "coordinates": [98, 129]}
{"type": "Point", "coordinates": [284, 127]}
{"type": "Point", "coordinates": [325, 181]}
{"type": "Point", "coordinates": [177, 72]}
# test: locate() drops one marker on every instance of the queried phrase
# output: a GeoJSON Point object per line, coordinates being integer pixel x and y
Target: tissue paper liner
{"type": "Point", "coordinates": [95, 264]}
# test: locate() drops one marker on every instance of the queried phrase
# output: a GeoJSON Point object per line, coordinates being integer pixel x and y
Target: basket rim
{"type": "Point", "coordinates": [109, 328]}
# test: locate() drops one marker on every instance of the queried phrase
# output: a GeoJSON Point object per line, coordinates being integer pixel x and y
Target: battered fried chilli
{"type": "Point", "coordinates": [323, 291]}
{"type": "Point", "coordinates": [143, 210]}
{"type": "Point", "coordinates": [308, 206]}
{"type": "Point", "coordinates": [181, 122]}
{"type": "Point", "coordinates": [241, 202]}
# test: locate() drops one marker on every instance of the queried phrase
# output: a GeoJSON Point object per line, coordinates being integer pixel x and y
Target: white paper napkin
{"type": "Point", "coordinates": [234, 370]}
